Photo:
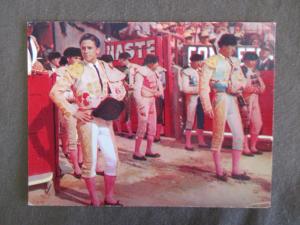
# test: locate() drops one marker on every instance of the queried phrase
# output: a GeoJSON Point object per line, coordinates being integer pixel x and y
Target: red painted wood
{"type": "Point", "coordinates": [41, 126]}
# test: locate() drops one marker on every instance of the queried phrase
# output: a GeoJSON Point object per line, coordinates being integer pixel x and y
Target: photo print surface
{"type": "Point", "coordinates": [166, 114]}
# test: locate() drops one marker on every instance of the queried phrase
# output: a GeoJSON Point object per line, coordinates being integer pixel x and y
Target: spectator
{"type": "Point", "coordinates": [238, 31]}
{"type": "Point", "coordinates": [204, 38]}
{"type": "Point", "coordinates": [32, 48]}
{"type": "Point", "coordinates": [53, 59]}
{"type": "Point", "coordinates": [264, 61]}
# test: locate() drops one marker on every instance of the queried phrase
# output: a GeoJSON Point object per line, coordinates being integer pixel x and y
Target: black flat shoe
{"type": "Point", "coordinates": [248, 154]}
{"type": "Point", "coordinates": [152, 155]}
{"type": "Point", "coordinates": [130, 136]}
{"type": "Point", "coordinates": [222, 177]}
{"type": "Point", "coordinates": [189, 148]}
{"type": "Point", "coordinates": [156, 140]}
{"type": "Point", "coordinates": [257, 152]}
{"type": "Point", "coordinates": [242, 176]}
{"type": "Point", "coordinates": [142, 158]}
{"type": "Point", "coordinates": [116, 204]}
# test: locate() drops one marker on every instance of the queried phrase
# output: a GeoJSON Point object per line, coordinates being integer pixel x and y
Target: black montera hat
{"type": "Point", "coordinates": [227, 39]}
{"type": "Point", "coordinates": [53, 55]}
{"type": "Point", "coordinates": [124, 55]}
{"type": "Point", "coordinates": [196, 57]}
{"type": "Point", "coordinates": [252, 56]}
{"type": "Point", "coordinates": [106, 58]}
{"type": "Point", "coordinates": [150, 59]}
{"type": "Point", "coordinates": [72, 52]}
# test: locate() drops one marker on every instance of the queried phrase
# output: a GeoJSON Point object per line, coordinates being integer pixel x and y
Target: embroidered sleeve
{"type": "Point", "coordinates": [204, 88]}
{"type": "Point", "coordinates": [57, 93]}
{"type": "Point", "coordinates": [139, 78]}
{"type": "Point", "coordinates": [211, 62]}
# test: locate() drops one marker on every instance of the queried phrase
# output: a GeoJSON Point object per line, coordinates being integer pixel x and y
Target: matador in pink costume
{"type": "Point", "coordinates": [254, 87]}
{"type": "Point", "coordinates": [147, 88]}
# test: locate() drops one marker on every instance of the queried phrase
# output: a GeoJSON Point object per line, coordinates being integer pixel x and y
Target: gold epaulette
{"type": "Point", "coordinates": [235, 61]}
{"type": "Point", "coordinates": [212, 61]}
{"type": "Point", "coordinates": [76, 69]}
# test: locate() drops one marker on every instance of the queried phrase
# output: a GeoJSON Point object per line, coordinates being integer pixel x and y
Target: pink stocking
{"type": "Point", "coordinates": [91, 186]}
{"type": "Point", "coordinates": [149, 144]}
{"type": "Point", "coordinates": [138, 142]}
{"type": "Point", "coordinates": [109, 182]}
{"type": "Point", "coordinates": [217, 161]}
{"type": "Point", "coordinates": [188, 135]}
{"type": "Point", "coordinates": [201, 140]}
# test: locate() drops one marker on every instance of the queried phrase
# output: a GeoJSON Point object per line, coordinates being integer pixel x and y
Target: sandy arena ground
{"type": "Point", "coordinates": [177, 178]}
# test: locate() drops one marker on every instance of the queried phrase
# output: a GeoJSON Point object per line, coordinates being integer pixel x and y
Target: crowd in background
{"type": "Point", "coordinates": [258, 35]}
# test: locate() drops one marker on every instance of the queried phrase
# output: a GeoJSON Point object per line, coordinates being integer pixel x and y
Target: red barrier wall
{"type": "Point", "coordinates": [41, 126]}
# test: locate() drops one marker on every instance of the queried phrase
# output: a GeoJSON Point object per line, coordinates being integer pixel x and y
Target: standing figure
{"type": "Point", "coordinates": [190, 87]}
{"type": "Point", "coordinates": [147, 88]}
{"type": "Point", "coordinates": [54, 59]}
{"type": "Point", "coordinates": [70, 144]}
{"type": "Point", "coordinates": [254, 87]}
{"type": "Point", "coordinates": [32, 48]}
{"type": "Point", "coordinates": [92, 83]}
{"type": "Point", "coordinates": [160, 103]}
{"type": "Point", "coordinates": [264, 60]}
{"type": "Point", "coordinates": [223, 75]}
{"type": "Point", "coordinates": [130, 69]}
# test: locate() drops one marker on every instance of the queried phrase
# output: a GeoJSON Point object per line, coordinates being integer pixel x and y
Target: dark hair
{"type": "Point", "coordinates": [63, 61]}
{"type": "Point", "coordinates": [72, 52]}
{"type": "Point", "coordinates": [150, 59]}
{"type": "Point", "coordinates": [226, 40]}
{"type": "Point", "coordinates": [91, 37]}
{"type": "Point", "coordinates": [106, 58]}
{"type": "Point", "coordinates": [53, 55]}
{"type": "Point", "coordinates": [124, 55]}
{"type": "Point", "coordinates": [196, 57]}
{"type": "Point", "coordinates": [252, 56]}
